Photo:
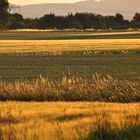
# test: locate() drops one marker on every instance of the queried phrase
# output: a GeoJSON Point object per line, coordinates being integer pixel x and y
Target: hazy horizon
{"type": "Point", "coordinates": [104, 7]}
{"type": "Point", "coordinates": [26, 2]}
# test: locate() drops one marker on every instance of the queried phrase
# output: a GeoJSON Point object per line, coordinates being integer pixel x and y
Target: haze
{"type": "Point", "coordinates": [104, 7]}
{"type": "Point", "coordinates": [25, 2]}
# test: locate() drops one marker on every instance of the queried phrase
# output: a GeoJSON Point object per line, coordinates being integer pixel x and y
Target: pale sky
{"type": "Point", "coordinates": [24, 2]}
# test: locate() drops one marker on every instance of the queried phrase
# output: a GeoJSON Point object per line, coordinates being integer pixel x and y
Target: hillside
{"type": "Point", "coordinates": [104, 7]}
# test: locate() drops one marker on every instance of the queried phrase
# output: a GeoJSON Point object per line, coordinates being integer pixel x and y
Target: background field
{"type": "Point", "coordinates": [64, 61]}
{"type": "Point", "coordinates": [54, 53]}
{"type": "Point", "coordinates": [60, 35]}
{"type": "Point", "coordinates": [119, 66]}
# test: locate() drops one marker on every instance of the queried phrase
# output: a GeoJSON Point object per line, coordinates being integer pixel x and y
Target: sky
{"type": "Point", "coordinates": [24, 2]}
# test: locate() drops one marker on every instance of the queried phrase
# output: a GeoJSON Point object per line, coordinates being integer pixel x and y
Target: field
{"type": "Point", "coordinates": [73, 121]}
{"type": "Point", "coordinates": [67, 35]}
{"type": "Point", "coordinates": [100, 69]}
{"type": "Point", "coordinates": [30, 56]}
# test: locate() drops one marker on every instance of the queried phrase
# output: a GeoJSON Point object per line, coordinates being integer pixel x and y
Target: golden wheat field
{"type": "Point", "coordinates": [69, 121]}
{"type": "Point", "coordinates": [54, 46]}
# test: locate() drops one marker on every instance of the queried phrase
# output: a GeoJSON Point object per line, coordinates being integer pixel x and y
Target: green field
{"type": "Point", "coordinates": [119, 66]}
{"type": "Point", "coordinates": [60, 35]}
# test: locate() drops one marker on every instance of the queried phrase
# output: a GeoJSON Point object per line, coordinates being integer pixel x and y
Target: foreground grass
{"type": "Point", "coordinates": [73, 121]}
{"type": "Point", "coordinates": [95, 88]}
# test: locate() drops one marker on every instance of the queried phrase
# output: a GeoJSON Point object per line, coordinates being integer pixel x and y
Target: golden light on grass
{"type": "Point", "coordinates": [22, 46]}
{"type": "Point", "coordinates": [95, 88]}
{"type": "Point", "coordinates": [75, 121]}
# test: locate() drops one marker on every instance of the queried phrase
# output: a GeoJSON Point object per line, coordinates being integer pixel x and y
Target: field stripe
{"type": "Point", "coordinates": [13, 46]}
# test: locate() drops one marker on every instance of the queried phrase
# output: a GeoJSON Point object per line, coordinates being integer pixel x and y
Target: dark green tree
{"type": "Point", "coordinates": [136, 21]}
{"type": "Point", "coordinates": [4, 14]}
{"type": "Point", "coordinates": [16, 21]}
{"type": "Point", "coordinates": [47, 21]}
{"type": "Point", "coordinates": [121, 23]}
{"type": "Point", "coordinates": [136, 18]}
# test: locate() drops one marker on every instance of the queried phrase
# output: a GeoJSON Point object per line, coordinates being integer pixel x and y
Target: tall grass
{"type": "Point", "coordinates": [69, 121]}
{"type": "Point", "coordinates": [95, 88]}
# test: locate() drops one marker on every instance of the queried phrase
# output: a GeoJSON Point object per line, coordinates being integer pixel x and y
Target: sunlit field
{"type": "Point", "coordinates": [60, 46]}
{"type": "Point", "coordinates": [91, 81]}
{"type": "Point", "coordinates": [73, 121]}
{"type": "Point", "coordinates": [95, 88]}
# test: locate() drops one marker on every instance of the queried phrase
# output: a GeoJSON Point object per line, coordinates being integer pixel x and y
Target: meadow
{"type": "Point", "coordinates": [99, 69]}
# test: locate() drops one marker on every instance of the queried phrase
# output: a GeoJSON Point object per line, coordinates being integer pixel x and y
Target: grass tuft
{"type": "Point", "coordinates": [96, 88]}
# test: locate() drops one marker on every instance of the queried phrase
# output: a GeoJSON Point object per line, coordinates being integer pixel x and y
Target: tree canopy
{"type": "Point", "coordinates": [75, 21]}
{"type": "Point", "coordinates": [4, 13]}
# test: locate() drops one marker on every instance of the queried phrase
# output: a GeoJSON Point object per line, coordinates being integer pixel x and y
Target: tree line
{"type": "Point", "coordinates": [70, 21]}
{"type": "Point", "coordinates": [74, 21]}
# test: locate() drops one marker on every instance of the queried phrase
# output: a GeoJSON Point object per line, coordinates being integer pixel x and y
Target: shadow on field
{"type": "Point", "coordinates": [72, 117]}
{"type": "Point", "coordinates": [129, 133]}
{"type": "Point", "coordinates": [8, 119]}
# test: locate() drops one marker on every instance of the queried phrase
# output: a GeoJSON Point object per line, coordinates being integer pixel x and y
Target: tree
{"type": "Point", "coordinates": [119, 18]}
{"type": "Point", "coordinates": [47, 22]}
{"type": "Point", "coordinates": [16, 21]}
{"type": "Point", "coordinates": [4, 6]}
{"type": "Point", "coordinates": [121, 23]}
{"type": "Point", "coordinates": [136, 21]}
{"type": "Point", "coordinates": [136, 18]}
{"type": "Point", "coordinates": [31, 23]}
{"type": "Point", "coordinates": [4, 13]}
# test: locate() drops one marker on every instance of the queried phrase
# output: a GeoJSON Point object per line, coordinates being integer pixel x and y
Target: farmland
{"type": "Point", "coordinates": [73, 121]}
{"type": "Point", "coordinates": [67, 35]}
{"type": "Point", "coordinates": [69, 66]}
{"type": "Point", "coordinates": [119, 58]}
{"type": "Point", "coordinates": [55, 59]}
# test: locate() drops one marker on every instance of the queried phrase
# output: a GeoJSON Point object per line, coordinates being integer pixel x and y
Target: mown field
{"type": "Point", "coordinates": [69, 66]}
{"type": "Point", "coordinates": [73, 121]}
{"type": "Point", "coordinates": [67, 35]}
{"type": "Point", "coordinates": [119, 66]}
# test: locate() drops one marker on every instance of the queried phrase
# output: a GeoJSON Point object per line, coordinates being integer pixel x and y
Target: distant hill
{"type": "Point", "coordinates": [105, 7]}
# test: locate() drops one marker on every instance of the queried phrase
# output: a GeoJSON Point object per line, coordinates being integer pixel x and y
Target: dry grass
{"type": "Point", "coordinates": [96, 88]}
{"type": "Point", "coordinates": [58, 46]}
{"type": "Point", "coordinates": [73, 121]}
